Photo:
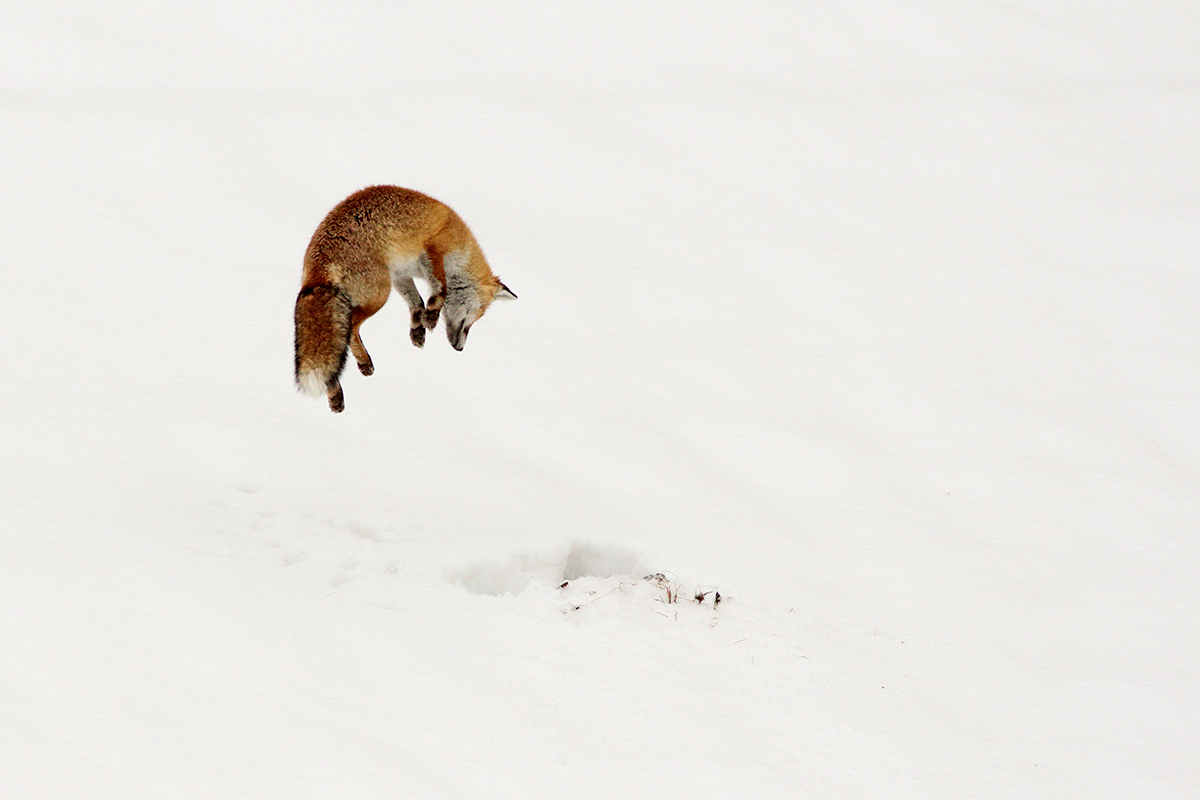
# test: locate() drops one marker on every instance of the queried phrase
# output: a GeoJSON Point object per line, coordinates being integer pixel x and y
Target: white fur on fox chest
{"type": "Point", "coordinates": [418, 266]}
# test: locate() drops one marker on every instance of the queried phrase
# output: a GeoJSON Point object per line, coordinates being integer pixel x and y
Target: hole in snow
{"type": "Point", "coordinates": [514, 574]}
{"type": "Point", "coordinates": [599, 561]}
{"type": "Point", "coordinates": [492, 577]}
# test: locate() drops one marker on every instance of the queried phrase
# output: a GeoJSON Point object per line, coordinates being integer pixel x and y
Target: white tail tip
{"type": "Point", "coordinates": [311, 381]}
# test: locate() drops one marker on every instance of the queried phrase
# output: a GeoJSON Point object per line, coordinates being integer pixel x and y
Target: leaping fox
{"type": "Point", "coordinates": [377, 238]}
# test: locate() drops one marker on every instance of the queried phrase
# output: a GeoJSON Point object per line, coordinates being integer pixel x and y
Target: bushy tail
{"type": "Point", "coordinates": [322, 337]}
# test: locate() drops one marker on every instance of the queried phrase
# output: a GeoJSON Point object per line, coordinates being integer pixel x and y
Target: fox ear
{"type": "Point", "coordinates": [505, 293]}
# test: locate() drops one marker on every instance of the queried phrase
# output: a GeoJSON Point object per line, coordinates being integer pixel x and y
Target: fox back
{"type": "Point", "coordinates": [376, 239]}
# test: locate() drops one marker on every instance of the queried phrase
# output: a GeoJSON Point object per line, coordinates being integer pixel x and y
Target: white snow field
{"type": "Point", "coordinates": [877, 318]}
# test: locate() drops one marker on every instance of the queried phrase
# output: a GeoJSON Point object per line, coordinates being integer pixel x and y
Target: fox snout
{"type": "Point", "coordinates": [457, 332]}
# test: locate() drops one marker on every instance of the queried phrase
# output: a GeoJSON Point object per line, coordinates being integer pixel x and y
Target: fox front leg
{"type": "Point", "coordinates": [416, 308]}
{"type": "Point", "coordinates": [437, 278]}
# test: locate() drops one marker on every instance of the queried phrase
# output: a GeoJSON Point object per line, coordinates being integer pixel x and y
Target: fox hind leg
{"type": "Point", "coordinates": [357, 317]}
{"type": "Point", "coordinates": [337, 401]}
{"type": "Point", "coordinates": [360, 353]}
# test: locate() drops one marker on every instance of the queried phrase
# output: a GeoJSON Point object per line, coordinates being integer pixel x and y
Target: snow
{"type": "Point", "coordinates": [876, 318]}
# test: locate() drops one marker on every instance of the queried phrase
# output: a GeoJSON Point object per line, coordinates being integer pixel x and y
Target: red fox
{"type": "Point", "coordinates": [381, 237]}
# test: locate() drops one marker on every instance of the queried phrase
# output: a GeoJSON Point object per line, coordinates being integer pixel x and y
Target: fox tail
{"type": "Point", "coordinates": [322, 337]}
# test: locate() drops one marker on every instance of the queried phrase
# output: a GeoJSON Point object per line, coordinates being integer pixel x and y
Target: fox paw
{"type": "Point", "coordinates": [416, 327]}
{"type": "Point", "coordinates": [430, 318]}
{"type": "Point", "coordinates": [366, 369]}
{"type": "Point", "coordinates": [337, 402]}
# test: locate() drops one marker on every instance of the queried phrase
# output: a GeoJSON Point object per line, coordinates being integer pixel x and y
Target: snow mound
{"type": "Point", "coordinates": [660, 594]}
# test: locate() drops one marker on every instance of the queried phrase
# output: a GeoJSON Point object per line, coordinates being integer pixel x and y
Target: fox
{"type": "Point", "coordinates": [378, 238]}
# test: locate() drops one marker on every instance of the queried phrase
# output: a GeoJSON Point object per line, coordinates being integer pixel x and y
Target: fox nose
{"type": "Point", "coordinates": [458, 336]}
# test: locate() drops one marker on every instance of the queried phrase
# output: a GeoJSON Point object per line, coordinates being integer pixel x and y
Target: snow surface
{"type": "Point", "coordinates": [877, 318]}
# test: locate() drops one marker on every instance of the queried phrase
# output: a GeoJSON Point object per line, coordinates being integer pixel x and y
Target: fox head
{"type": "Point", "coordinates": [466, 302]}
